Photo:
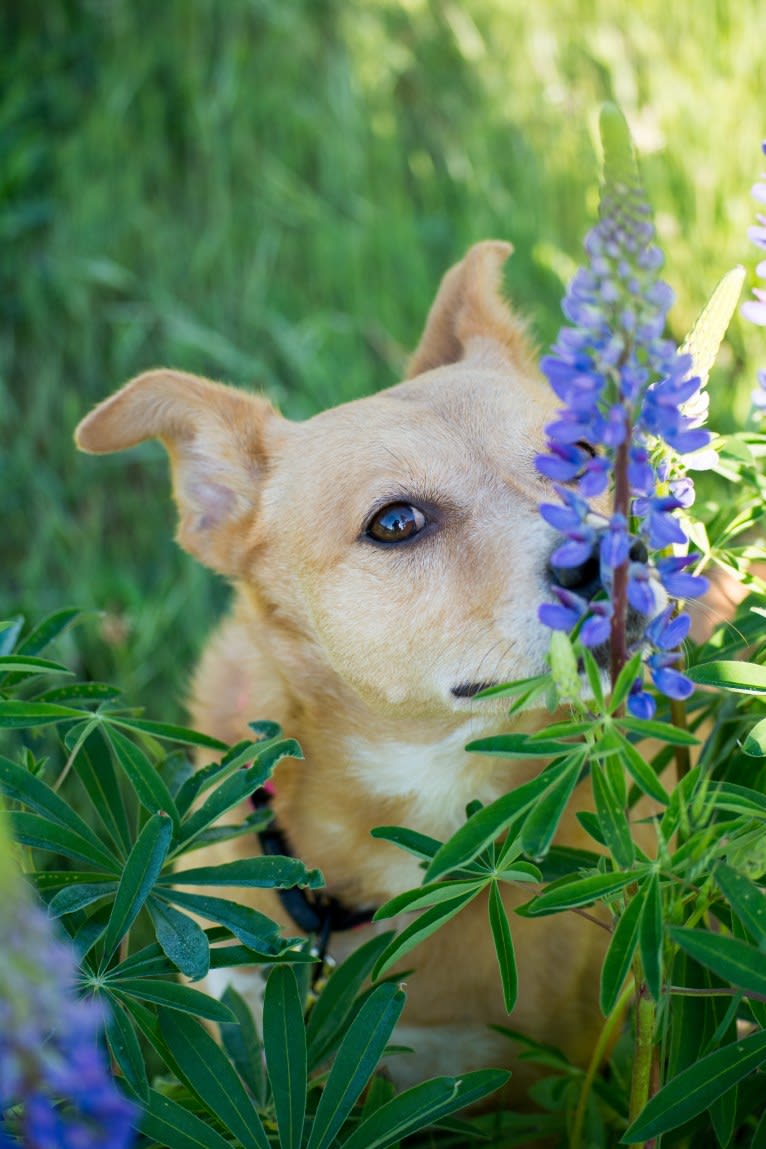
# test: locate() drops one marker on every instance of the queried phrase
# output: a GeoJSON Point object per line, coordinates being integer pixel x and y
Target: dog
{"type": "Point", "coordinates": [388, 557]}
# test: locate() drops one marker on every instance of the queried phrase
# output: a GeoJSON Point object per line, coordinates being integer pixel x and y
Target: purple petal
{"type": "Point", "coordinates": [572, 553]}
{"type": "Point", "coordinates": [557, 617]}
{"type": "Point", "coordinates": [640, 592]}
{"type": "Point", "coordinates": [595, 630]}
{"type": "Point", "coordinates": [754, 311]}
{"type": "Point", "coordinates": [683, 585]}
{"type": "Point", "coordinates": [561, 518]}
{"type": "Point", "coordinates": [672, 683]}
{"type": "Point", "coordinates": [641, 704]}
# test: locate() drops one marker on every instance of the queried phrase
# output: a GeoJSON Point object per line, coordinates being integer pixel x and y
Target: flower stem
{"type": "Point", "coordinates": [643, 1050]}
{"type": "Point", "coordinates": [617, 636]}
{"type": "Point", "coordinates": [599, 1053]}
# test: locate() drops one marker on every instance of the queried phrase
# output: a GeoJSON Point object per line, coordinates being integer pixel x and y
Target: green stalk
{"type": "Point", "coordinates": [643, 1048]}
{"type": "Point", "coordinates": [598, 1056]}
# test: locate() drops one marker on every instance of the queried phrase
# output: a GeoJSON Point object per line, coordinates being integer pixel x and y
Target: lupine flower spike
{"type": "Point", "coordinates": [56, 1091]}
{"type": "Point", "coordinates": [632, 412]}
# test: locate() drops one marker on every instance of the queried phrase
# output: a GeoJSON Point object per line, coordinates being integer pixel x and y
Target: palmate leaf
{"type": "Point", "coordinates": [611, 819]}
{"type": "Point", "coordinates": [431, 894]}
{"type": "Point", "coordinates": [284, 1042]}
{"type": "Point", "coordinates": [141, 872]}
{"type": "Point", "coordinates": [262, 872]}
{"type": "Point", "coordinates": [18, 714]}
{"type": "Point", "coordinates": [420, 845]}
{"type": "Point", "coordinates": [640, 771]}
{"type": "Point", "coordinates": [79, 895]}
{"type": "Point", "coordinates": [423, 926]}
{"type": "Point", "coordinates": [22, 786]}
{"type": "Point", "coordinates": [15, 663]}
{"type": "Point", "coordinates": [746, 899]}
{"type": "Point", "coordinates": [484, 827]}
{"type": "Point", "coordinates": [503, 943]}
{"type": "Point", "coordinates": [543, 820]}
{"type": "Point", "coordinates": [244, 1046]}
{"type": "Point", "coordinates": [754, 744]}
{"type": "Point", "coordinates": [421, 1106]}
{"type": "Point", "coordinates": [165, 732]}
{"type": "Point", "coordinates": [336, 1002]}
{"type": "Point", "coordinates": [33, 830]}
{"type": "Point", "coordinates": [619, 956]}
{"type": "Point", "coordinates": [696, 1088]}
{"type": "Point", "coordinates": [355, 1062]}
{"type": "Point", "coordinates": [739, 677]}
{"type": "Point", "coordinates": [244, 753]}
{"type": "Point", "coordinates": [181, 939]}
{"type": "Point", "coordinates": [252, 928]}
{"type": "Point", "coordinates": [207, 1071]}
{"type": "Point", "coordinates": [170, 994]}
{"type": "Point", "coordinates": [732, 959]}
{"type": "Point", "coordinates": [567, 895]}
{"type": "Point", "coordinates": [95, 769]}
{"type": "Point", "coordinates": [149, 787]}
{"type": "Point", "coordinates": [125, 1049]}
{"type": "Point", "coordinates": [169, 1124]}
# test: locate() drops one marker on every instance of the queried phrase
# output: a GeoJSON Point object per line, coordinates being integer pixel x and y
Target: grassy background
{"type": "Point", "coordinates": [267, 191]}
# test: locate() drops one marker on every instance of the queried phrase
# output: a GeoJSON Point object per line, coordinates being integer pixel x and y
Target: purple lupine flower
{"type": "Point", "coordinates": [54, 1075]}
{"type": "Point", "coordinates": [755, 309]}
{"type": "Point", "coordinates": [627, 394]}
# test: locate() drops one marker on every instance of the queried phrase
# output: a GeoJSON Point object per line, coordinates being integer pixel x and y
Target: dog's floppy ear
{"type": "Point", "coordinates": [219, 440]}
{"type": "Point", "coordinates": [470, 314]}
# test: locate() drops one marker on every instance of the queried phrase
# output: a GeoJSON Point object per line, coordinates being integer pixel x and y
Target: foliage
{"type": "Point", "coordinates": [146, 810]}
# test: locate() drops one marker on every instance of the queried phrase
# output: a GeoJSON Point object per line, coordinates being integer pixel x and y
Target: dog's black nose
{"type": "Point", "coordinates": [585, 579]}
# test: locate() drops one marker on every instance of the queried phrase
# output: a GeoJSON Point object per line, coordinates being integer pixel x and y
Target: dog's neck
{"type": "Point", "coordinates": [362, 767]}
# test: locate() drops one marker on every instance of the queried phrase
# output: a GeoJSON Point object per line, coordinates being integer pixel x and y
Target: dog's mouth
{"type": "Point", "coordinates": [470, 689]}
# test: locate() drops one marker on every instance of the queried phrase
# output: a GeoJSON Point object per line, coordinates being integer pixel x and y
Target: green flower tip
{"type": "Point", "coordinates": [620, 165]}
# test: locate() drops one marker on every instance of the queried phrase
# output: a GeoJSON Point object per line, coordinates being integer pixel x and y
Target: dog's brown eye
{"type": "Point", "coordinates": [396, 523]}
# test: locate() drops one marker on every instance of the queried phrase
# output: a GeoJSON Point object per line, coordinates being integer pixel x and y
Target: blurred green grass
{"type": "Point", "coordinates": [267, 191]}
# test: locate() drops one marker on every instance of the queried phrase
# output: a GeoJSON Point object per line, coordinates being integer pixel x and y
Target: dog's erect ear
{"type": "Point", "coordinates": [470, 315]}
{"type": "Point", "coordinates": [219, 440]}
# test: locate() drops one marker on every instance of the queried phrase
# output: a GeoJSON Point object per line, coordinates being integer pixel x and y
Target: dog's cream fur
{"type": "Point", "coordinates": [356, 647]}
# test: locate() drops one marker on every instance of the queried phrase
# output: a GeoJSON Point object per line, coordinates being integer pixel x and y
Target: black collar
{"type": "Point", "coordinates": [313, 911]}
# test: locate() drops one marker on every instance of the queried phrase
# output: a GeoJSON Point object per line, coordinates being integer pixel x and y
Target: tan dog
{"type": "Point", "coordinates": [389, 559]}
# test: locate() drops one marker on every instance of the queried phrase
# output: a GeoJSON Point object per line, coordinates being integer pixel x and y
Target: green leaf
{"type": "Point", "coordinates": [336, 1002]}
{"type": "Point", "coordinates": [739, 677]}
{"type": "Point", "coordinates": [32, 830]}
{"type": "Point", "coordinates": [723, 1114]}
{"type": "Point", "coordinates": [732, 959]}
{"type": "Point", "coordinates": [80, 692]}
{"type": "Point", "coordinates": [580, 892]}
{"type": "Point", "coordinates": [10, 629]}
{"type": "Point", "coordinates": [47, 630]}
{"type": "Point", "coordinates": [663, 731]}
{"type": "Point", "coordinates": [252, 928]}
{"type": "Point", "coordinates": [22, 786]}
{"type": "Point", "coordinates": [625, 680]}
{"type": "Point", "coordinates": [182, 940]}
{"type": "Point", "coordinates": [170, 1124]}
{"type": "Point", "coordinates": [245, 753]}
{"type": "Point", "coordinates": [209, 1074]}
{"type": "Point", "coordinates": [501, 937]}
{"type": "Point", "coordinates": [518, 746]}
{"type": "Point", "coordinates": [746, 899]}
{"type": "Point", "coordinates": [429, 895]}
{"type": "Point", "coordinates": [709, 328]}
{"type": "Point", "coordinates": [737, 799]}
{"type": "Point", "coordinates": [651, 936]}
{"type": "Point", "coordinates": [619, 956]}
{"type": "Point", "coordinates": [424, 925]}
{"type": "Point", "coordinates": [167, 733]}
{"type": "Point", "coordinates": [141, 871]}
{"type": "Point", "coordinates": [244, 1047]}
{"type": "Point", "coordinates": [696, 1088]}
{"type": "Point", "coordinates": [95, 769]}
{"type": "Point", "coordinates": [611, 819]}
{"type": "Point", "coordinates": [484, 826]}
{"type": "Point", "coordinates": [262, 872]}
{"type": "Point", "coordinates": [149, 786]}
{"type": "Point", "coordinates": [640, 771]}
{"type": "Point", "coordinates": [355, 1062]}
{"type": "Point", "coordinates": [418, 844]}
{"type": "Point", "coordinates": [79, 895]}
{"type": "Point", "coordinates": [542, 822]}
{"type": "Point", "coordinates": [18, 663]}
{"type": "Point", "coordinates": [18, 715]}
{"type": "Point", "coordinates": [126, 1050]}
{"type": "Point", "coordinates": [421, 1106]}
{"type": "Point", "coordinates": [754, 744]}
{"type": "Point", "coordinates": [594, 678]}
{"type": "Point", "coordinates": [284, 1040]}
{"type": "Point", "coordinates": [171, 994]}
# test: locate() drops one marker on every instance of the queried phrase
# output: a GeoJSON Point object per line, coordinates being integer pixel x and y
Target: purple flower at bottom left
{"type": "Point", "coordinates": [56, 1090]}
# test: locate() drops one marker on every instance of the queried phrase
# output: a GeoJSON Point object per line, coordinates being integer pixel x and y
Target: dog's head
{"type": "Point", "coordinates": [393, 543]}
